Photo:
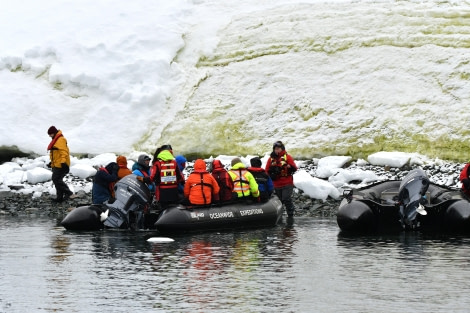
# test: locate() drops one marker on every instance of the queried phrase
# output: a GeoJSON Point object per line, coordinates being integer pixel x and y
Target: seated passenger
{"type": "Point", "coordinates": [181, 161]}
{"type": "Point", "coordinates": [166, 175]}
{"type": "Point", "coordinates": [123, 170]}
{"type": "Point", "coordinates": [244, 183]}
{"type": "Point", "coordinates": [223, 179]}
{"type": "Point", "coordinates": [103, 183]}
{"type": "Point", "coordinates": [265, 183]}
{"type": "Point", "coordinates": [142, 169]}
{"type": "Point", "coordinates": [200, 187]}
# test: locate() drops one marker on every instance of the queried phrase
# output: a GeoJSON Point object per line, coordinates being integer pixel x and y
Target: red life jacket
{"type": "Point", "coordinates": [168, 174]}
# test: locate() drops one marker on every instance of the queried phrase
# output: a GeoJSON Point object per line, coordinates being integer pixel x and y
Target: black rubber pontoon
{"type": "Point", "coordinates": [414, 203]}
{"type": "Point", "coordinates": [234, 215]}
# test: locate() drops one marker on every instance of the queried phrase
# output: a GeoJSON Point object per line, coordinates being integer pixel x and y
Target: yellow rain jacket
{"type": "Point", "coordinates": [59, 152]}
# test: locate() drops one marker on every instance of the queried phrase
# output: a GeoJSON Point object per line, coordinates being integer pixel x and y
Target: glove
{"type": "Point", "coordinates": [49, 165]}
{"type": "Point", "coordinates": [144, 179]}
{"type": "Point", "coordinates": [65, 167]}
{"type": "Point", "coordinates": [466, 183]}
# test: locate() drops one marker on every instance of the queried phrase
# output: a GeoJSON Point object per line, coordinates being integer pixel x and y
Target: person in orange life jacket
{"type": "Point", "coordinates": [280, 167]}
{"type": "Point", "coordinates": [465, 179]}
{"type": "Point", "coordinates": [142, 169]}
{"type": "Point", "coordinates": [60, 163]}
{"type": "Point", "coordinates": [166, 175]}
{"type": "Point", "coordinates": [123, 169]}
{"type": "Point", "coordinates": [265, 183]}
{"type": "Point", "coordinates": [244, 184]}
{"type": "Point", "coordinates": [200, 187]}
{"type": "Point", "coordinates": [103, 183]}
{"type": "Point", "coordinates": [223, 179]}
{"type": "Point", "coordinates": [181, 161]}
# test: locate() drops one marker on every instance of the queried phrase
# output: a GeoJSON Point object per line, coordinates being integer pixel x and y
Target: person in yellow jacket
{"type": "Point", "coordinates": [60, 163]}
{"type": "Point", "coordinates": [244, 183]}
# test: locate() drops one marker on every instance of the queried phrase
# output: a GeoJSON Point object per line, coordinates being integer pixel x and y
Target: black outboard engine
{"type": "Point", "coordinates": [412, 197]}
{"type": "Point", "coordinates": [131, 198]}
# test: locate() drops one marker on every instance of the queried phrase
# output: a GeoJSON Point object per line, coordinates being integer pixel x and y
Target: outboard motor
{"type": "Point", "coordinates": [131, 198]}
{"type": "Point", "coordinates": [412, 197]}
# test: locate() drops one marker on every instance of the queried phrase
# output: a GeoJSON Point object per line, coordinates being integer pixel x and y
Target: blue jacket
{"type": "Point", "coordinates": [265, 183]}
{"type": "Point", "coordinates": [138, 170]}
{"type": "Point", "coordinates": [180, 160]}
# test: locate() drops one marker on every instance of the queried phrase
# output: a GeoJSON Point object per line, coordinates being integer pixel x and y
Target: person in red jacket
{"type": "Point", "coordinates": [223, 179]}
{"type": "Point", "coordinates": [166, 175]}
{"type": "Point", "coordinates": [200, 187]}
{"type": "Point", "coordinates": [280, 167]}
{"type": "Point", "coordinates": [465, 180]}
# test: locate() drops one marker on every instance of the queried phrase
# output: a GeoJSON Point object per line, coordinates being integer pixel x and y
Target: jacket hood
{"type": "Point", "coordinates": [141, 160]}
{"type": "Point", "coordinates": [112, 167]}
{"type": "Point", "coordinates": [166, 155]}
{"type": "Point", "coordinates": [256, 169]}
{"type": "Point", "coordinates": [59, 132]}
{"type": "Point", "coordinates": [200, 166]}
{"type": "Point", "coordinates": [121, 160]}
{"type": "Point", "coordinates": [180, 160]}
{"type": "Point", "coordinates": [238, 165]}
{"type": "Point", "coordinates": [217, 164]}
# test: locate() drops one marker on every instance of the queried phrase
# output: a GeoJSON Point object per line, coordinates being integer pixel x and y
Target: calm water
{"type": "Point", "coordinates": [303, 267]}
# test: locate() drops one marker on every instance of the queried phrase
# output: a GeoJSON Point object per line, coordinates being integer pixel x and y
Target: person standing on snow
{"type": "Point", "coordinates": [280, 167]}
{"type": "Point", "coordinates": [60, 163]}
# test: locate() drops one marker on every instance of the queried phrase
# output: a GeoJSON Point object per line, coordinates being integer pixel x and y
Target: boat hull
{"type": "Point", "coordinates": [374, 209]}
{"type": "Point", "coordinates": [84, 218]}
{"type": "Point", "coordinates": [235, 215]}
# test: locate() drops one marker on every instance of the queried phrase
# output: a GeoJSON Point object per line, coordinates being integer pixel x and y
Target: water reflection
{"type": "Point", "coordinates": [301, 265]}
{"type": "Point", "coordinates": [60, 247]}
{"type": "Point", "coordinates": [403, 266]}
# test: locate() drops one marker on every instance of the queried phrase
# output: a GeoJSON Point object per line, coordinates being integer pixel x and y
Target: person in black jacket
{"type": "Point", "coordinates": [103, 183]}
{"type": "Point", "coordinates": [265, 183]}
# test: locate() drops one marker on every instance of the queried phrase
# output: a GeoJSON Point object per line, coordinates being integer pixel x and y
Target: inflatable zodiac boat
{"type": "Point", "coordinates": [233, 215]}
{"type": "Point", "coordinates": [132, 197]}
{"type": "Point", "coordinates": [411, 204]}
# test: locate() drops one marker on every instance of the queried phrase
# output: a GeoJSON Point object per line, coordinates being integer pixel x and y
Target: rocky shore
{"type": "Point", "coordinates": [15, 203]}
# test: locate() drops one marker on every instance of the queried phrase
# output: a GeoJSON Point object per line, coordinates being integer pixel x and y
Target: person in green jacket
{"type": "Point", "coordinates": [244, 184]}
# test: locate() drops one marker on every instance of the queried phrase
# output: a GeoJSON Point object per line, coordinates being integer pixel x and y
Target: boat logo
{"type": "Point", "coordinates": [197, 214]}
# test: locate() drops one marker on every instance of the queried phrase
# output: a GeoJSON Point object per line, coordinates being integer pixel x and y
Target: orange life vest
{"type": "Point", "coordinates": [241, 185]}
